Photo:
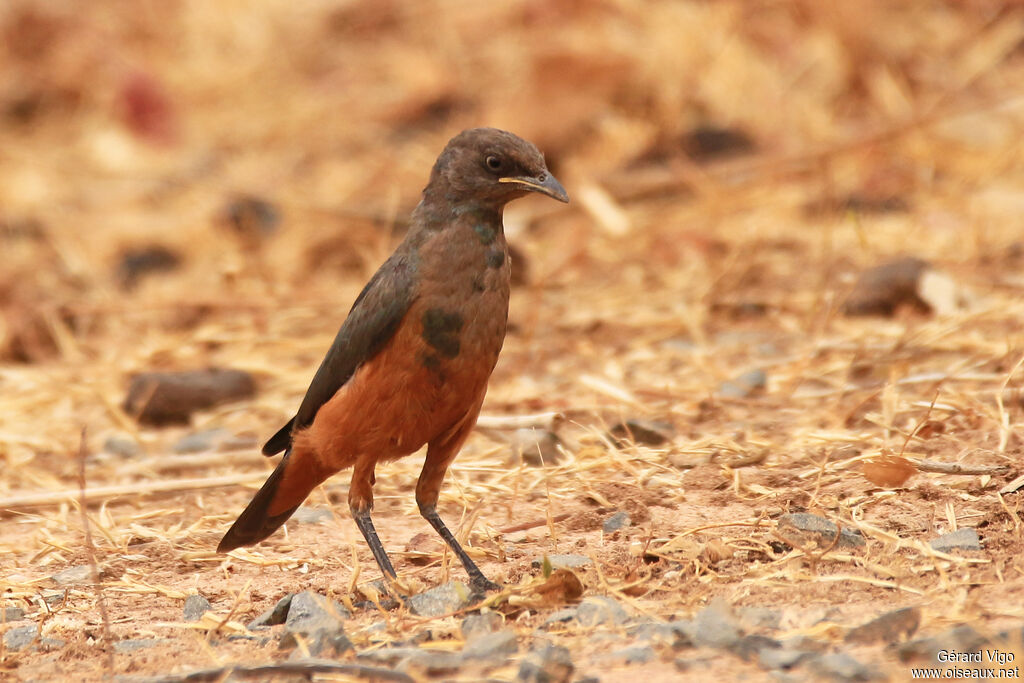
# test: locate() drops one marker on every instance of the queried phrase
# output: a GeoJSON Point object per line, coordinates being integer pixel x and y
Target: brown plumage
{"type": "Point", "coordinates": [409, 366]}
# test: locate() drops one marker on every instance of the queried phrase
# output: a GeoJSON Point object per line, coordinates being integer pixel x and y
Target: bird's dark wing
{"type": "Point", "coordinates": [374, 317]}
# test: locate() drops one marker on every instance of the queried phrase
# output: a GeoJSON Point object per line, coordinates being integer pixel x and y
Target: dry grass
{"type": "Point", "coordinates": [665, 278]}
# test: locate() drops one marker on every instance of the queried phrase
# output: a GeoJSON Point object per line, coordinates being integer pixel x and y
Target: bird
{"type": "Point", "coordinates": [410, 364]}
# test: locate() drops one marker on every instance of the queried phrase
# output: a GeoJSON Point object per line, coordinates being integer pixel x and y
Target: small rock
{"type": "Point", "coordinates": [841, 667]}
{"type": "Point", "coordinates": [749, 647]}
{"type": "Point", "coordinates": [716, 626]}
{"type": "Point", "coordinates": [172, 397]}
{"type": "Point", "coordinates": [275, 615]}
{"type": "Point", "coordinates": [883, 289]}
{"type": "Point", "coordinates": [561, 616]}
{"type": "Point", "coordinates": [133, 644]}
{"type": "Point", "coordinates": [493, 647]}
{"type": "Point", "coordinates": [645, 432]}
{"type": "Point", "coordinates": [476, 625]}
{"type": "Point", "coordinates": [782, 658]}
{"type": "Point", "coordinates": [744, 386]}
{"type": "Point", "coordinates": [309, 515]}
{"type": "Point", "coordinates": [444, 599]}
{"type": "Point", "coordinates": [759, 617]}
{"type": "Point", "coordinates": [73, 575]}
{"type": "Point", "coordinates": [890, 627]}
{"type": "Point", "coordinates": [961, 539]}
{"type": "Point", "coordinates": [13, 614]}
{"type": "Point", "coordinates": [708, 142]}
{"type": "Point", "coordinates": [620, 520]}
{"type": "Point", "coordinates": [195, 607]}
{"type": "Point", "coordinates": [599, 609]}
{"type": "Point", "coordinates": [200, 442]}
{"type": "Point", "coordinates": [320, 643]}
{"type": "Point", "coordinates": [824, 528]}
{"type": "Point", "coordinates": [137, 262]}
{"type": "Point", "coordinates": [309, 613]}
{"type": "Point", "coordinates": [676, 634]}
{"type": "Point", "coordinates": [252, 219]}
{"type": "Point", "coordinates": [536, 447]}
{"type": "Point", "coordinates": [51, 644]}
{"type": "Point", "coordinates": [561, 561]}
{"type": "Point", "coordinates": [549, 664]}
{"type": "Point", "coordinates": [430, 663]}
{"type": "Point", "coordinates": [21, 637]}
{"type": "Point", "coordinates": [124, 446]}
{"type": "Point", "coordinates": [637, 654]}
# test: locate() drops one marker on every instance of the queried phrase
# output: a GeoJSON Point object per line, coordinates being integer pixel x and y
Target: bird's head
{"type": "Point", "coordinates": [488, 166]}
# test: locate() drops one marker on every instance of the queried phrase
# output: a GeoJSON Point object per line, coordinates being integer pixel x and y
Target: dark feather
{"type": "Point", "coordinates": [371, 323]}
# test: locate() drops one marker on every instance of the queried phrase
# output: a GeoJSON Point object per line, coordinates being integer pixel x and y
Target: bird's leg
{"type": "Point", "coordinates": [427, 491]}
{"type": "Point", "coordinates": [360, 503]}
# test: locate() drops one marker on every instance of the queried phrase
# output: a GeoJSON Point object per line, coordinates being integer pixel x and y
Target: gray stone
{"type": "Point", "coordinates": [536, 447]}
{"type": "Point", "coordinates": [759, 617]}
{"type": "Point", "coordinates": [308, 515]}
{"type": "Point", "coordinates": [561, 616]}
{"type": "Point", "coordinates": [675, 634]}
{"type": "Point", "coordinates": [549, 664]}
{"type": "Point", "coordinates": [275, 615]}
{"type": "Point", "coordinates": [51, 644]}
{"type": "Point", "coordinates": [493, 647]}
{"type": "Point", "coordinates": [13, 614]}
{"type": "Point", "coordinates": [119, 444]}
{"type": "Point", "coordinates": [427, 662]}
{"type": "Point", "coordinates": [562, 561]}
{"type": "Point", "coordinates": [826, 529]}
{"type": "Point", "coordinates": [133, 644]}
{"type": "Point", "coordinates": [320, 643]}
{"type": "Point", "coordinates": [309, 613]}
{"type": "Point", "coordinates": [716, 626]}
{"type": "Point", "coordinates": [620, 520]}
{"type": "Point", "coordinates": [637, 654]}
{"type": "Point", "coordinates": [599, 609]}
{"type": "Point", "coordinates": [200, 442]}
{"type": "Point", "coordinates": [841, 667]}
{"type": "Point", "coordinates": [21, 637]}
{"type": "Point", "coordinates": [73, 575]}
{"type": "Point", "coordinates": [195, 607]}
{"type": "Point", "coordinates": [645, 432]}
{"type": "Point", "coordinates": [961, 539]}
{"type": "Point", "coordinates": [476, 625]}
{"type": "Point", "coordinates": [749, 647]}
{"type": "Point", "coordinates": [890, 627]}
{"type": "Point", "coordinates": [745, 385]}
{"type": "Point", "coordinates": [445, 599]}
{"type": "Point", "coordinates": [782, 658]}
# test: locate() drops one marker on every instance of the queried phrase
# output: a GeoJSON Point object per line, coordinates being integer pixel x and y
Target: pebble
{"type": "Point", "coordinates": [885, 288]}
{"type": "Point", "coordinates": [676, 634]}
{"type": "Point", "coordinates": [309, 613]}
{"type": "Point", "coordinates": [133, 644]}
{"type": "Point", "coordinates": [759, 617]}
{"type": "Point", "coordinates": [599, 609]}
{"type": "Point", "coordinates": [21, 637]}
{"type": "Point", "coordinates": [444, 599]}
{"type": "Point", "coordinates": [814, 524]}
{"type": "Point", "coordinates": [13, 614]}
{"type": "Point", "coordinates": [536, 447]}
{"type": "Point", "coordinates": [171, 397]}
{"type": "Point", "coordinates": [195, 607]}
{"type": "Point", "coordinates": [841, 667]}
{"type": "Point", "coordinates": [493, 647]}
{"type": "Point", "coordinates": [321, 643]}
{"type": "Point", "coordinates": [563, 561]}
{"type": "Point", "coordinates": [637, 654]}
{"type": "Point", "coordinates": [782, 658]}
{"type": "Point", "coordinates": [749, 647]}
{"type": "Point", "coordinates": [476, 625]}
{"type": "Point", "coordinates": [644, 432]}
{"type": "Point", "coordinates": [123, 445]}
{"type": "Point", "coordinates": [273, 616]}
{"type": "Point", "coordinates": [745, 385]}
{"type": "Point", "coordinates": [620, 520]}
{"type": "Point", "coordinates": [890, 627]}
{"type": "Point", "coordinates": [73, 575]}
{"type": "Point", "coordinates": [961, 539]}
{"type": "Point", "coordinates": [200, 442]}
{"type": "Point", "coordinates": [716, 625]}
{"type": "Point", "coordinates": [548, 664]}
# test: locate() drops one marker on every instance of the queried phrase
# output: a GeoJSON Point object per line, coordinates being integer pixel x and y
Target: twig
{"type": "Point", "coordinates": [535, 523]}
{"type": "Point", "coordinates": [539, 420]}
{"type": "Point", "coordinates": [957, 468]}
{"type": "Point", "coordinates": [90, 552]}
{"type": "Point", "coordinates": [28, 500]}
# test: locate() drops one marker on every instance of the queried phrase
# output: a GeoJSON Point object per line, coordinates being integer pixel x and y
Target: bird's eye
{"type": "Point", "coordinates": [493, 163]}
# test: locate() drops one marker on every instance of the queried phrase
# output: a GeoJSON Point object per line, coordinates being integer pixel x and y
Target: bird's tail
{"type": "Point", "coordinates": [295, 477]}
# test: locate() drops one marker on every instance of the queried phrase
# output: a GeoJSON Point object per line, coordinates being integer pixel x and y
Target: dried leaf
{"type": "Point", "coordinates": [890, 471]}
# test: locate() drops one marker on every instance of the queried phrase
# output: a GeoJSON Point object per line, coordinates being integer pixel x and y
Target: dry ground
{"type": "Point", "coordinates": [878, 129]}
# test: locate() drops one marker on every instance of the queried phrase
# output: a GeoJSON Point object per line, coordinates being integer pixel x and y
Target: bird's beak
{"type": "Point", "coordinates": [549, 186]}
